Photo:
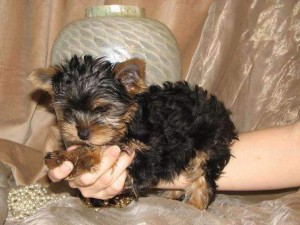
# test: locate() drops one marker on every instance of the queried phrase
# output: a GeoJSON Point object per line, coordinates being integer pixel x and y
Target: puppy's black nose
{"type": "Point", "coordinates": [83, 134]}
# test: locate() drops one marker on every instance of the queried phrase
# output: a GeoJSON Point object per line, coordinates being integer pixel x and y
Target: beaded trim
{"type": "Point", "coordinates": [25, 201]}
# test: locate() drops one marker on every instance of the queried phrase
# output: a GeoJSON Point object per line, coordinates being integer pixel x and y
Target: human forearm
{"type": "Point", "coordinates": [265, 159]}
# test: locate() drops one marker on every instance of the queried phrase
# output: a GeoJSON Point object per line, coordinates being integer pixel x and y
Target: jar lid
{"type": "Point", "coordinates": [115, 10]}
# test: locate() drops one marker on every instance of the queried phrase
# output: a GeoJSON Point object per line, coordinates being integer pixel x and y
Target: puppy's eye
{"type": "Point", "coordinates": [101, 109]}
{"type": "Point", "coordinates": [68, 82]}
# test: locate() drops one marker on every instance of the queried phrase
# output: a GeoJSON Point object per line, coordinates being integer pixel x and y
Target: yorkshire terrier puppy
{"type": "Point", "coordinates": [174, 129]}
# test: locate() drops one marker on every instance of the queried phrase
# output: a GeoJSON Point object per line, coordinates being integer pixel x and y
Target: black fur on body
{"type": "Point", "coordinates": [174, 122]}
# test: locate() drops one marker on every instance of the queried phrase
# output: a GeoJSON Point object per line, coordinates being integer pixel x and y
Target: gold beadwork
{"type": "Point", "coordinates": [123, 201]}
{"type": "Point", "coordinates": [116, 202]}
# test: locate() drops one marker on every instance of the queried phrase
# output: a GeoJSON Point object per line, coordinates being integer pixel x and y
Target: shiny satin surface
{"type": "Point", "coordinates": [245, 52]}
{"type": "Point", "coordinates": [248, 55]}
{"type": "Point", "coordinates": [261, 209]}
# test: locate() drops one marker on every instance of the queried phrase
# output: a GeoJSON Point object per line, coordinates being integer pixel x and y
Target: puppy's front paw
{"type": "Point", "coordinates": [55, 159]}
{"type": "Point", "coordinates": [84, 158]}
{"type": "Point", "coordinates": [86, 163]}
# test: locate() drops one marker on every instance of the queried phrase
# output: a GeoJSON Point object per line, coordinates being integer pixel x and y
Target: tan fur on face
{"type": "Point", "coordinates": [99, 135]}
{"type": "Point", "coordinates": [69, 133]}
{"type": "Point", "coordinates": [104, 135]}
{"type": "Point", "coordinates": [109, 133]}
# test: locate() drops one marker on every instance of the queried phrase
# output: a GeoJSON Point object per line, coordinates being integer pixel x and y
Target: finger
{"type": "Point", "coordinates": [71, 148]}
{"type": "Point", "coordinates": [107, 193]}
{"type": "Point", "coordinates": [60, 172]}
{"type": "Point", "coordinates": [116, 188]}
{"type": "Point", "coordinates": [109, 158]}
{"type": "Point", "coordinates": [110, 176]}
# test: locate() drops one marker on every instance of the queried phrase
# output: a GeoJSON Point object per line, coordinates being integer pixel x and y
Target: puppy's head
{"type": "Point", "coordinates": [93, 98]}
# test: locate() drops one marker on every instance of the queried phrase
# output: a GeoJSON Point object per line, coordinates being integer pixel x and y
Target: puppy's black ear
{"type": "Point", "coordinates": [131, 74]}
{"type": "Point", "coordinates": [42, 78]}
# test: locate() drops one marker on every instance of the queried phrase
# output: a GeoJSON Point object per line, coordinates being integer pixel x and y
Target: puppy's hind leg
{"type": "Point", "coordinates": [198, 192]}
{"type": "Point", "coordinates": [172, 194]}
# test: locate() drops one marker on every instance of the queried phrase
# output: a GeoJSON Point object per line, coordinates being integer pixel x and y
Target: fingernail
{"type": "Point", "coordinates": [67, 166]}
{"type": "Point", "coordinates": [71, 148]}
{"type": "Point", "coordinates": [114, 150]}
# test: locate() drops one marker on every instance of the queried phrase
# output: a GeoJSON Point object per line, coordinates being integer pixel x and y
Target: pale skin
{"type": "Point", "coordinates": [264, 159]}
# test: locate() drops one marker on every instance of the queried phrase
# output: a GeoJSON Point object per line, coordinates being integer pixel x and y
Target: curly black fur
{"type": "Point", "coordinates": [176, 121]}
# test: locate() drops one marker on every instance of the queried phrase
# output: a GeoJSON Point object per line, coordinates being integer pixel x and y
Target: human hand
{"type": "Point", "coordinates": [104, 183]}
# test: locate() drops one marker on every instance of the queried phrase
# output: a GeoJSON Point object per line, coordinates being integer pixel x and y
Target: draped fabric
{"type": "Point", "coordinates": [248, 55]}
{"type": "Point", "coordinates": [245, 52]}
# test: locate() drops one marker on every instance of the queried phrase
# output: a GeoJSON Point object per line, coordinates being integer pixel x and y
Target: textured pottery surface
{"type": "Point", "coordinates": [120, 36]}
